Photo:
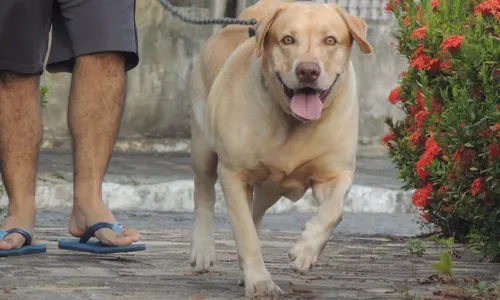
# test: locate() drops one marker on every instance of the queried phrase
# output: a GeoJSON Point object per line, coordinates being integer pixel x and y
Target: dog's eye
{"type": "Point", "coordinates": [331, 40]}
{"type": "Point", "coordinates": [287, 40]}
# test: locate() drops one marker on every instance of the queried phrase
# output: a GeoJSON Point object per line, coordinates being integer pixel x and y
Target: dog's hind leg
{"type": "Point", "coordinates": [204, 163]}
{"type": "Point", "coordinates": [205, 168]}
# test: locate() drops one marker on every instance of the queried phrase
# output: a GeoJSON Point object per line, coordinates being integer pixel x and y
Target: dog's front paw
{"type": "Point", "coordinates": [262, 288]}
{"type": "Point", "coordinates": [202, 253]}
{"type": "Point", "coordinates": [304, 254]}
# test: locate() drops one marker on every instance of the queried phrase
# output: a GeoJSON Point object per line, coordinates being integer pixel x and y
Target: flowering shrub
{"type": "Point", "coordinates": [447, 147]}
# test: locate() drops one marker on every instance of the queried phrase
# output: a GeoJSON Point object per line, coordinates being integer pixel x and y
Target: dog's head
{"type": "Point", "coordinates": [305, 49]}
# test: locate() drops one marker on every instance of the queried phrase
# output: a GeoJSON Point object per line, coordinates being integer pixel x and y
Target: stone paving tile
{"type": "Point", "coordinates": [351, 267]}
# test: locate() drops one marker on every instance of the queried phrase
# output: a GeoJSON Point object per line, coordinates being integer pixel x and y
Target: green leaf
{"type": "Point", "coordinates": [445, 264]}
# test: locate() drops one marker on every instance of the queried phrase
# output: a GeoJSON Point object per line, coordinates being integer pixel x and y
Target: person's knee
{"type": "Point", "coordinates": [102, 60]}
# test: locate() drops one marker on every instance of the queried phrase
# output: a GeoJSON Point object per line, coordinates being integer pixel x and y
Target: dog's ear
{"type": "Point", "coordinates": [262, 27]}
{"type": "Point", "coordinates": [357, 27]}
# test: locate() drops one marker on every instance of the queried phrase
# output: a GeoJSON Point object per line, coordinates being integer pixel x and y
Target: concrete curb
{"type": "Point", "coordinates": [176, 196]}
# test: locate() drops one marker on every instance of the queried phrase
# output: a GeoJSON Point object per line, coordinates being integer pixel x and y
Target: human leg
{"type": "Point", "coordinates": [99, 62]}
{"type": "Point", "coordinates": [20, 136]}
{"type": "Point", "coordinates": [21, 63]}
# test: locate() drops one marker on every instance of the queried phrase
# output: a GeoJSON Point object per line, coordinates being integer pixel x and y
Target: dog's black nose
{"type": "Point", "coordinates": [308, 72]}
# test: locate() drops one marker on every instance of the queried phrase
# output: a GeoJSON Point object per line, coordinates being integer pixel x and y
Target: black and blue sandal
{"type": "Point", "coordinates": [27, 248]}
{"type": "Point", "coordinates": [85, 245]}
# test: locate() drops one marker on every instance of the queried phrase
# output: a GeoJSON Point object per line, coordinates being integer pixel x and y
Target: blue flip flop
{"type": "Point", "coordinates": [27, 248]}
{"type": "Point", "coordinates": [84, 245]}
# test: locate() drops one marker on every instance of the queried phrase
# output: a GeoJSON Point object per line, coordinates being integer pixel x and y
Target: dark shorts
{"type": "Point", "coordinates": [79, 27]}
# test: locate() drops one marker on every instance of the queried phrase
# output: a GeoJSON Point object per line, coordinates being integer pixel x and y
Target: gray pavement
{"type": "Point", "coordinates": [366, 258]}
{"type": "Point", "coordinates": [350, 267]}
{"type": "Point", "coordinates": [352, 224]}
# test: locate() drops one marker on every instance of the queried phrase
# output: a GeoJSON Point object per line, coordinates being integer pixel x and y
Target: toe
{"type": "Point", "coordinates": [131, 233]}
{"type": "Point", "coordinates": [111, 238]}
{"type": "Point", "coordinates": [6, 245]}
{"type": "Point", "coordinates": [12, 241]}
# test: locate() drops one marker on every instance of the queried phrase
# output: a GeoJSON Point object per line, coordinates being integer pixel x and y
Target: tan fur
{"type": "Point", "coordinates": [243, 131]}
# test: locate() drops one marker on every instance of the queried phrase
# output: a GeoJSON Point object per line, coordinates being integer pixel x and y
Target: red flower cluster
{"type": "Point", "coordinates": [485, 132]}
{"type": "Point", "coordinates": [452, 43]}
{"type": "Point", "coordinates": [421, 196]}
{"type": "Point", "coordinates": [496, 127]}
{"type": "Point", "coordinates": [431, 151]}
{"type": "Point", "coordinates": [488, 8]}
{"type": "Point", "coordinates": [443, 189]}
{"type": "Point", "coordinates": [424, 62]}
{"type": "Point", "coordinates": [463, 157]}
{"type": "Point", "coordinates": [416, 137]}
{"type": "Point", "coordinates": [425, 217]}
{"type": "Point", "coordinates": [420, 117]}
{"type": "Point", "coordinates": [446, 66]}
{"type": "Point", "coordinates": [406, 21]}
{"type": "Point", "coordinates": [436, 106]}
{"type": "Point", "coordinates": [394, 95]}
{"type": "Point", "coordinates": [388, 6]}
{"type": "Point", "coordinates": [475, 91]}
{"type": "Point", "coordinates": [435, 4]}
{"type": "Point", "coordinates": [493, 152]}
{"type": "Point", "coordinates": [419, 33]}
{"type": "Point", "coordinates": [421, 61]}
{"type": "Point", "coordinates": [418, 52]}
{"type": "Point", "coordinates": [477, 186]}
{"type": "Point", "coordinates": [390, 136]}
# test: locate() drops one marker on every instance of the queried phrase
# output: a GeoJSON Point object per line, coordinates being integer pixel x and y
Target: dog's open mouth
{"type": "Point", "coordinates": [307, 103]}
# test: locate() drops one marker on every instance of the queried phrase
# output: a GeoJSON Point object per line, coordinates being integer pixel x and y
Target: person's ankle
{"type": "Point", "coordinates": [21, 210]}
{"type": "Point", "coordinates": [89, 205]}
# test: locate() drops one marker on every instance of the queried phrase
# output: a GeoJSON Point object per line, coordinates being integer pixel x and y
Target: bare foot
{"type": "Point", "coordinates": [15, 240]}
{"type": "Point", "coordinates": [82, 219]}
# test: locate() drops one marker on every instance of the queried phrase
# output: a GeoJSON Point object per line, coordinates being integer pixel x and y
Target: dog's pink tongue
{"type": "Point", "coordinates": [307, 106]}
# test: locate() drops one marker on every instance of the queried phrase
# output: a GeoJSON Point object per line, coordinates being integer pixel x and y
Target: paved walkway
{"type": "Point", "coordinates": [351, 267]}
{"type": "Point", "coordinates": [360, 262]}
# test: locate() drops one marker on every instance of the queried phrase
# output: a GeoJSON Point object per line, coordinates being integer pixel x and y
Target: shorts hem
{"type": "Point", "coordinates": [21, 68]}
{"type": "Point", "coordinates": [66, 63]}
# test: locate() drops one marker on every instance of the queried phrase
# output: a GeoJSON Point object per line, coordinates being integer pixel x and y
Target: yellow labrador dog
{"type": "Point", "coordinates": [273, 115]}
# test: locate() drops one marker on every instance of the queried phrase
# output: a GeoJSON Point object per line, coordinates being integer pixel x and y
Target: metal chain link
{"type": "Point", "coordinates": [177, 14]}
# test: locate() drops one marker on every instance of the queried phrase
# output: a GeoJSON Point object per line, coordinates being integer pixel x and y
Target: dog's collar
{"type": "Point", "coordinates": [251, 31]}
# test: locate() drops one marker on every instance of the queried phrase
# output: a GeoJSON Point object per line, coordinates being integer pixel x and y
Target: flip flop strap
{"type": "Point", "coordinates": [24, 233]}
{"type": "Point", "coordinates": [92, 229]}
